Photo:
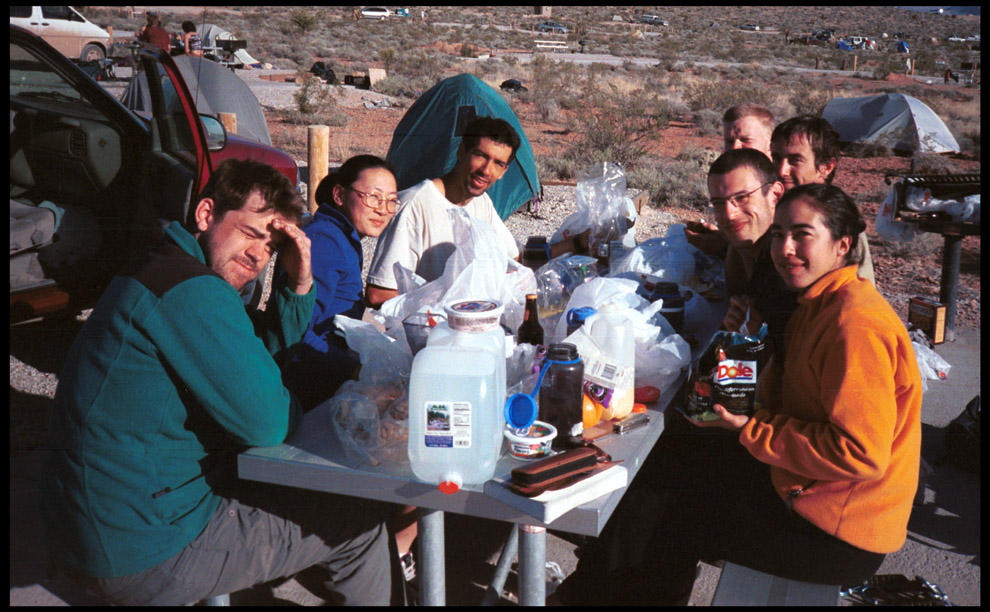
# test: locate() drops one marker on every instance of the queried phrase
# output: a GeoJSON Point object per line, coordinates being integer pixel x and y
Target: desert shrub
{"type": "Point", "coordinates": [550, 83]}
{"type": "Point", "coordinates": [557, 167]}
{"type": "Point", "coordinates": [870, 149]}
{"type": "Point", "coordinates": [616, 127]}
{"type": "Point", "coordinates": [303, 20]}
{"type": "Point", "coordinates": [718, 95]}
{"type": "Point", "coordinates": [708, 122]}
{"type": "Point", "coordinates": [934, 163]}
{"type": "Point", "coordinates": [810, 97]}
{"type": "Point", "coordinates": [466, 51]}
{"type": "Point", "coordinates": [671, 182]}
{"type": "Point", "coordinates": [923, 246]}
{"type": "Point", "coordinates": [313, 96]}
{"type": "Point", "coordinates": [403, 86]}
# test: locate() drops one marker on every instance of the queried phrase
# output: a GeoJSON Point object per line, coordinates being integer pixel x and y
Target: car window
{"type": "Point", "coordinates": [174, 129]}
{"type": "Point", "coordinates": [20, 11]}
{"type": "Point", "coordinates": [32, 79]}
{"type": "Point", "coordinates": [56, 12]}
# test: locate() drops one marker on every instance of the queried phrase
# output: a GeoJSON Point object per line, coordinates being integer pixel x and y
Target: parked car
{"type": "Point", "coordinates": [956, 38]}
{"type": "Point", "coordinates": [375, 12]}
{"type": "Point", "coordinates": [551, 26]}
{"type": "Point", "coordinates": [90, 180]}
{"type": "Point", "coordinates": [654, 19]}
{"type": "Point", "coordinates": [65, 29]}
{"type": "Point", "coordinates": [750, 26]}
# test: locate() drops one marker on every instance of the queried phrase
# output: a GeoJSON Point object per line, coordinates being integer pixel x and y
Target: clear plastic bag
{"type": "Point", "coordinates": [931, 365]}
{"type": "Point", "coordinates": [602, 207]}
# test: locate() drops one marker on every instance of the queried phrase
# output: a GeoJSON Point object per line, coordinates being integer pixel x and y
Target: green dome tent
{"type": "Point", "coordinates": [425, 142]}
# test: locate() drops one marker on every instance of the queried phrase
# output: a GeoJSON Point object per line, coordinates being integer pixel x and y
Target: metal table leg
{"type": "Point", "coordinates": [494, 591]}
{"type": "Point", "coordinates": [433, 591]}
{"type": "Point", "coordinates": [951, 255]}
{"type": "Point", "coordinates": [532, 565]}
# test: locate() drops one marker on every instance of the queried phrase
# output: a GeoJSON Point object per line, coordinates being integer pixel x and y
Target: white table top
{"type": "Point", "coordinates": [312, 458]}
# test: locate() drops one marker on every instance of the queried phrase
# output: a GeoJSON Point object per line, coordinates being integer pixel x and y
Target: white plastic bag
{"type": "Point", "coordinates": [669, 259]}
{"type": "Point", "coordinates": [596, 293]}
{"type": "Point", "coordinates": [478, 269]}
{"type": "Point", "coordinates": [931, 365]}
{"type": "Point", "coordinates": [890, 229]}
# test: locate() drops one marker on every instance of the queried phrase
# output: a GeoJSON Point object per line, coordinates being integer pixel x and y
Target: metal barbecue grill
{"type": "Point", "coordinates": [943, 187]}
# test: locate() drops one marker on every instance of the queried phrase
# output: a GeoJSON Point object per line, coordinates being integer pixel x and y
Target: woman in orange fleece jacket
{"type": "Point", "coordinates": [822, 485]}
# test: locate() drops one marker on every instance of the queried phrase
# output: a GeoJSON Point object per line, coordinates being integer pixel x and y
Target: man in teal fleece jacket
{"type": "Point", "coordinates": [168, 379]}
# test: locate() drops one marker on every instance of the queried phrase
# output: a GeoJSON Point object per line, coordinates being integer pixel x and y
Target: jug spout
{"type": "Point", "coordinates": [451, 484]}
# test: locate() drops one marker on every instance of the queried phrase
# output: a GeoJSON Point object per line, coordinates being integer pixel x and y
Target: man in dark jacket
{"type": "Point", "coordinates": [168, 379]}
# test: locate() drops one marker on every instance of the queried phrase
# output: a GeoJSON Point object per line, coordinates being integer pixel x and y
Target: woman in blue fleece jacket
{"type": "Point", "coordinates": [357, 200]}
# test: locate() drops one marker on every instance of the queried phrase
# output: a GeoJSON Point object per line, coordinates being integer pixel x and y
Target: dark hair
{"type": "Point", "coordinates": [348, 174]}
{"type": "Point", "coordinates": [839, 210]}
{"type": "Point", "coordinates": [741, 111]}
{"type": "Point", "coordinates": [750, 158]}
{"type": "Point", "coordinates": [188, 26]}
{"type": "Point", "coordinates": [822, 138]}
{"type": "Point", "coordinates": [493, 128]}
{"type": "Point", "coordinates": [153, 19]}
{"type": "Point", "coordinates": [235, 179]}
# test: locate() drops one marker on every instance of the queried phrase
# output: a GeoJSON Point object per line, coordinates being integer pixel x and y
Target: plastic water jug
{"type": "Point", "coordinates": [610, 377]}
{"type": "Point", "coordinates": [457, 398]}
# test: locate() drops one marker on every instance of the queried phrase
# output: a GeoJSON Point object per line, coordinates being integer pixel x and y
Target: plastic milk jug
{"type": "Point", "coordinates": [457, 396]}
{"type": "Point", "coordinates": [610, 376]}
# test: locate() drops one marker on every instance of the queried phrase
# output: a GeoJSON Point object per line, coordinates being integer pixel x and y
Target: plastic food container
{"type": "Point", "coordinates": [533, 446]}
{"type": "Point", "coordinates": [474, 315]}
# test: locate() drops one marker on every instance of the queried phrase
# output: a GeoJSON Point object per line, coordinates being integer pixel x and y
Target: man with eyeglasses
{"type": "Point", "coordinates": [744, 190]}
{"type": "Point", "coordinates": [420, 237]}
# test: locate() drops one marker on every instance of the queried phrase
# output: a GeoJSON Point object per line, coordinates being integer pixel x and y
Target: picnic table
{"type": "Point", "coordinates": [313, 458]}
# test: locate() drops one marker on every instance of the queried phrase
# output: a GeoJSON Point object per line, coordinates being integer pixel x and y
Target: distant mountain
{"type": "Point", "coordinates": [946, 10]}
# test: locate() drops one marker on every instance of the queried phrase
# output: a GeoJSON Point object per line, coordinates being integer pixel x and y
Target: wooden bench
{"type": "Point", "coordinates": [741, 586]}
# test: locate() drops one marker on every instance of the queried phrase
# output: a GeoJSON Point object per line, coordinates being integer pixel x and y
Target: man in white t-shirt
{"type": "Point", "coordinates": [420, 236]}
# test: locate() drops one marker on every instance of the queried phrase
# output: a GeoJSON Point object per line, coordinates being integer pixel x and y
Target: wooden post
{"type": "Point", "coordinates": [912, 66]}
{"type": "Point", "coordinates": [229, 121]}
{"type": "Point", "coordinates": [110, 32]}
{"type": "Point", "coordinates": [855, 61]}
{"type": "Point", "coordinates": [843, 64]}
{"type": "Point", "coordinates": [318, 161]}
{"type": "Point", "coordinates": [818, 63]}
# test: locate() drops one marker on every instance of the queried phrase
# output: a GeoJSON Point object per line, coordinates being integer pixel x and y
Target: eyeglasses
{"type": "Point", "coordinates": [375, 201]}
{"type": "Point", "coordinates": [738, 200]}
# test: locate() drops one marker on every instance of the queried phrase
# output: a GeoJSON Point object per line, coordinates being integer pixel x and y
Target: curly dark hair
{"type": "Point", "coordinates": [235, 179]}
{"type": "Point", "coordinates": [492, 128]}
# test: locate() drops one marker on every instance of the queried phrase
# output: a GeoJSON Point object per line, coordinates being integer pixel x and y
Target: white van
{"type": "Point", "coordinates": [65, 29]}
{"type": "Point", "coordinates": [375, 12]}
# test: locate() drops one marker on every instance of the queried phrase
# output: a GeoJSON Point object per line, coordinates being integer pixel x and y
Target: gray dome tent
{"type": "Point", "coordinates": [901, 122]}
{"type": "Point", "coordinates": [216, 90]}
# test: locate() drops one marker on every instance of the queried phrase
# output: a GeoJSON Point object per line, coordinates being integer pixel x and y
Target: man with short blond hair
{"type": "Point", "coordinates": [747, 126]}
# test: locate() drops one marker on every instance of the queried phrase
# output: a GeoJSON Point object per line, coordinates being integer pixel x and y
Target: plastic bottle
{"type": "Point", "coordinates": [614, 371]}
{"type": "Point", "coordinates": [530, 331]}
{"type": "Point", "coordinates": [562, 391]}
{"type": "Point", "coordinates": [457, 398]}
{"type": "Point", "coordinates": [536, 252]}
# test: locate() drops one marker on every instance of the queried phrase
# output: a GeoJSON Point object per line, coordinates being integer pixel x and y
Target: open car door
{"type": "Point", "coordinates": [90, 180]}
